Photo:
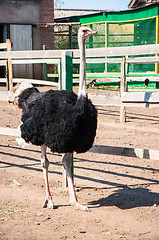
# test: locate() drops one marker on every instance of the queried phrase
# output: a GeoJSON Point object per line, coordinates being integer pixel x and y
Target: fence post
{"type": "Point", "coordinates": [66, 83]}
{"type": "Point", "coordinates": [67, 78]}
{"type": "Point", "coordinates": [123, 88]}
{"type": "Point", "coordinates": [44, 67]}
{"type": "Point", "coordinates": [9, 68]}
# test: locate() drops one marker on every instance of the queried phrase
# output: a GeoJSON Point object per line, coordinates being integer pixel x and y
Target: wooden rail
{"type": "Point", "coordinates": [120, 51]}
{"type": "Point", "coordinates": [7, 63]}
{"type": "Point", "coordinates": [126, 151]}
{"type": "Point", "coordinates": [32, 54]}
{"type": "Point", "coordinates": [90, 53]}
{"type": "Point", "coordinates": [119, 60]}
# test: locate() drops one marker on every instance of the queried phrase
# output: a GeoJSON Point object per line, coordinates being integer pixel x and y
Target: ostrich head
{"type": "Point", "coordinates": [85, 32]}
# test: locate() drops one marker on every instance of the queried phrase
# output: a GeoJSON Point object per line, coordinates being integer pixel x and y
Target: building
{"type": "Point", "coordinates": [66, 36]}
{"type": "Point", "coordinates": [139, 26]}
{"type": "Point", "coordinates": [141, 3]}
{"type": "Point", "coordinates": [62, 12]}
{"type": "Point", "coordinates": [19, 21]}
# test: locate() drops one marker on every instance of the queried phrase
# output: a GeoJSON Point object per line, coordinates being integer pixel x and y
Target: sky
{"type": "Point", "coordinates": [96, 4]}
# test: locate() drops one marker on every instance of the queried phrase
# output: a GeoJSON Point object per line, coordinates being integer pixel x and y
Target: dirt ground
{"type": "Point", "coordinates": [121, 192]}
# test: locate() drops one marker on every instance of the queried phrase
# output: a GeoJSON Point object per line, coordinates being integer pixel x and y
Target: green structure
{"type": "Point", "coordinates": [115, 29]}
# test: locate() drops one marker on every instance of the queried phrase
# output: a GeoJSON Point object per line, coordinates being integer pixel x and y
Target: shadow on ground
{"type": "Point", "coordinates": [128, 198]}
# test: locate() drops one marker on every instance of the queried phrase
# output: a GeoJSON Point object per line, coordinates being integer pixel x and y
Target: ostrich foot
{"type": "Point", "coordinates": [48, 203]}
{"type": "Point", "coordinates": [80, 207]}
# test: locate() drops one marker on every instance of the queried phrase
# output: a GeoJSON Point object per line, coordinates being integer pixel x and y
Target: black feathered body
{"type": "Point", "coordinates": [59, 120]}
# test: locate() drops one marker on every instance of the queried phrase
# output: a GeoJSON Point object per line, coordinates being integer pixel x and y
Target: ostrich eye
{"type": "Point", "coordinates": [84, 31]}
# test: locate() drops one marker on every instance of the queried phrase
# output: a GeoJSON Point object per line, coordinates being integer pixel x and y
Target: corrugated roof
{"type": "Point", "coordinates": [140, 3]}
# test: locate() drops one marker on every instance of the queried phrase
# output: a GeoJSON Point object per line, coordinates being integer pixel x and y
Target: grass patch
{"type": "Point", "coordinates": [103, 87]}
{"type": "Point", "coordinates": [8, 213]}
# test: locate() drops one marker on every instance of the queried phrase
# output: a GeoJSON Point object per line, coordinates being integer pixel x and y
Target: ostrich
{"type": "Point", "coordinates": [62, 121]}
{"type": "Point", "coordinates": [19, 88]}
{"type": "Point", "coordinates": [146, 82]}
{"type": "Point", "coordinates": [92, 83]}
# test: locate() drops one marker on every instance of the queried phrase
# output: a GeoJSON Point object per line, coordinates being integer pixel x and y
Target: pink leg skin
{"type": "Point", "coordinates": [45, 165]}
{"type": "Point", "coordinates": [66, 161]}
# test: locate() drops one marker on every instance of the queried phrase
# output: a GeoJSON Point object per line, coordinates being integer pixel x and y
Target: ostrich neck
{"type": "Point", "coordinates": [82, 79]}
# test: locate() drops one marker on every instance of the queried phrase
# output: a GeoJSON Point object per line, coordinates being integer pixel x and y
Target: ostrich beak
{"type": "Point", "coordinates": [91, 32]}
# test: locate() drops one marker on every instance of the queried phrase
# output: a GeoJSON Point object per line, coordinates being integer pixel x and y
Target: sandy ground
{"type": "Point", "coordinates": [121, 192]}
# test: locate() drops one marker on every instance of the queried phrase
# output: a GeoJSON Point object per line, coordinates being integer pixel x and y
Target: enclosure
{"type": "Point", "coordinates": [121, 189]}
{"type": "Point", "coordinates": [115, 29]}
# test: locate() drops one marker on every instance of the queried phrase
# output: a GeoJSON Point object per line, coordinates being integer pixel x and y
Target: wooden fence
{"type": "Point", "coordinates": [65, 61]}
{"type": "Point", "coordinates": [59, 57]}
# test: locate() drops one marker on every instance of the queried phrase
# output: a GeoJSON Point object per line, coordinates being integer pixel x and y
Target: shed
{"type": "Point", "coordinates": [122, 28]}
{"type": "Point", "coordinates": [19, 21]}
{"type": "Point", "coordinates": [65, 36]}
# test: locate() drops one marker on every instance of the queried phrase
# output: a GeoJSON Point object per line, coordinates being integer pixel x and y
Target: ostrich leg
{"type": "Point", "coordinates": [66, 161]}
{"type": "Point", "coordinates": [45, 165]}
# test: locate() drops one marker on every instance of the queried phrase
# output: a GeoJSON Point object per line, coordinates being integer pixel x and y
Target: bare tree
{"type": "Point", "coordinates": [58, 3]}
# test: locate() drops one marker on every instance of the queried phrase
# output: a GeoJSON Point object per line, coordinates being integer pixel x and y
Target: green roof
{"type": "Point", "coordinates": [149, 11]}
